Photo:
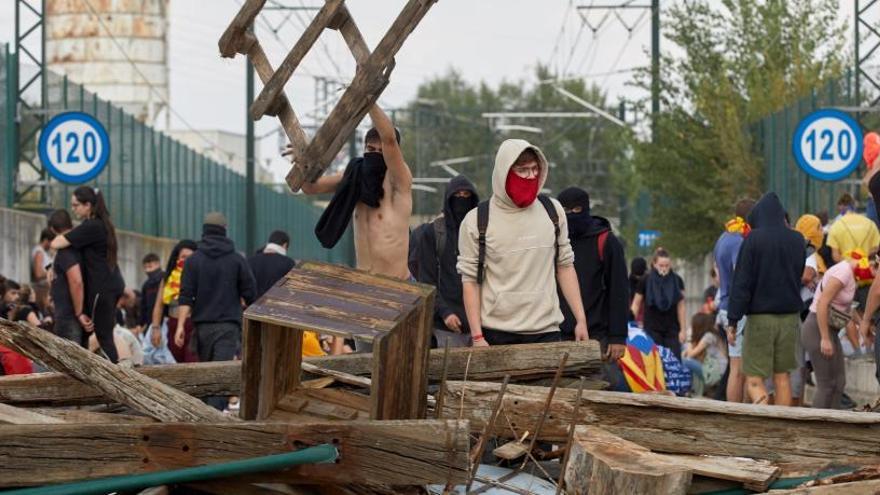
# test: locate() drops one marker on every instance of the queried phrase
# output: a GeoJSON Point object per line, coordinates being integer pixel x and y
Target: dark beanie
{"type": "Point", "coordinates": [571, 197]}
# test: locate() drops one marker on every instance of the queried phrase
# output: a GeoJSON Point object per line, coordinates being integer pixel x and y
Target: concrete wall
{"type": "Point", "coordinates": [20, 231]}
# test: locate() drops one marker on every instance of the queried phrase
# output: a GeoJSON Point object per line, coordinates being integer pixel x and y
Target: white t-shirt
{"type": "Point", "coordinates": [806, 292]}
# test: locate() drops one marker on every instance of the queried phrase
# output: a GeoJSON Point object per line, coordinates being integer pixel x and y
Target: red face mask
{"type": "Point", "coordinates": [521, 191]}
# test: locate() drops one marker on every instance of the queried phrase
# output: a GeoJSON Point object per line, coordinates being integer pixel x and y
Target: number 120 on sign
{"type": "Point", "coordinates": [827, 144]}
{"type": "Point", "coordinates": [74, 147]}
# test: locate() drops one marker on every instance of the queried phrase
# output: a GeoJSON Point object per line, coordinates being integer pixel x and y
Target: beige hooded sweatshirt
{"type": "Point", "coordinates": [518, 293]}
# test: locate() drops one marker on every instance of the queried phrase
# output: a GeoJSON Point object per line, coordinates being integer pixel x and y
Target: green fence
{"type": "Point", "coordinates": [158, 186]}
{"type": "Point", "coordinates": [773, 135]}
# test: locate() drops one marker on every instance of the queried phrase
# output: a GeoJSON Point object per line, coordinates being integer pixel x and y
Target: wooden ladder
{"type": "Point", "coordinates": [311, 158]}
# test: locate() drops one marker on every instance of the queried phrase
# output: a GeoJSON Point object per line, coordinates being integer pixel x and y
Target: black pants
{"type": "Point", "coordinates": [103, 308]}
{"type": "Point", "coordinates": [70, 329]}
{"type": "Point", "coordinates": [668, 340]}
{"type": "Point", "coordinates": [499, 337]}
{"type": "Point", "coordinates": [217, 342]}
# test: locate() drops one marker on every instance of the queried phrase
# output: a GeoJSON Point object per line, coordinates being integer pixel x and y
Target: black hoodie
{"type": "Point", "coordinates": [769, 267]}
{"type": "Point", "coordinates": [604, 285]}
{"type": "Point", "coordinates": [441, 272]}
{"type": "Point", "coordinates": [215, 279]}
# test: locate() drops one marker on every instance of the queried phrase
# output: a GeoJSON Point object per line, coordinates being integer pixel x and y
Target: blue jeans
{"type": "Point", "coordinates": [697, 382]}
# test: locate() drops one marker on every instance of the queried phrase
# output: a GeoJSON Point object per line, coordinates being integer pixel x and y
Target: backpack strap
{"type": "Point", "coordinates": [439, 236]}
{"type": "Point", "coordinates": [554, 217]}
{"type": "Point", "coordinates": [482, 225]}
{"type": "Point", "coordinates": [600, 242]}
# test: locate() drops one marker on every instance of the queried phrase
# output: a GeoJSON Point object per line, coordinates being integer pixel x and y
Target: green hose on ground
{"type": "Point", "coordinates": [312, 455]}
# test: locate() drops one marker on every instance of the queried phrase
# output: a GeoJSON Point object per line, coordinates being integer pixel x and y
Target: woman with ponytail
{"type": "Point", "coordinates": [95, 238]}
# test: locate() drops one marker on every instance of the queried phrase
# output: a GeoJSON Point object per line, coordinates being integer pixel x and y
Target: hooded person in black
{"type": "Point", "coordinates": [766, 287]}
{"type": "Point", "coordinates": [601, 268]}
{"type": "Point", "coordinates": [437, 255]}
{"type": "Point", "coordinates": [215, 281]}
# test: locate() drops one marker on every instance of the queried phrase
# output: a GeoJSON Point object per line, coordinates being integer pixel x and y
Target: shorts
{"type": "Point", "coordinates": [736, 350]}
{"type": "Point", "coordinates": [770, 345]}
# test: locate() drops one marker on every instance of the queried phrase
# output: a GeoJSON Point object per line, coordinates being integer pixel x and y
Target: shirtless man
{"type": "Point", "coordinates": [380, 234]}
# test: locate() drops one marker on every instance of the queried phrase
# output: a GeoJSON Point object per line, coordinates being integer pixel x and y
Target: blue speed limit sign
{"type": "Point", "coordinates": [74, 147]}
{"type": "Point", "coordinates": [827, 144]}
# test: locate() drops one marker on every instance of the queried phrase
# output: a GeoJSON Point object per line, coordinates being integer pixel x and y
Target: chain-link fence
{"type": "Point", "coordinates": [158, 186]}
{"type": "Point", "coordinates": [773, 136]}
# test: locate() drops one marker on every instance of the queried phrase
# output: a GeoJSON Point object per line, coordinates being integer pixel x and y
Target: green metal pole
{"type": "Point", "coordinates": [858, 63]}
{"type": "Point", "coordinates": [312, 455]}
{"type": "Point", "coordinates": [250, 189]}
{"type": "Point", "coordinates": [655, 63]}
{"type": "Point", "coordinates": [13, 123]}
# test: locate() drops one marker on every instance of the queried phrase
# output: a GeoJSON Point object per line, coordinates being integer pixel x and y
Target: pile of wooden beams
{"type": "Point", "coordinates": [607, 442]}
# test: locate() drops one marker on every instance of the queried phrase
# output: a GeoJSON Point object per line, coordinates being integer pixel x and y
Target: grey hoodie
{"type": "Point", "coordinates": [518, 293]}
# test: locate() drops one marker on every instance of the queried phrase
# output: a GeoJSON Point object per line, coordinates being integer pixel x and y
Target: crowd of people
{"type": "Point", "coordinates": [788, 301]}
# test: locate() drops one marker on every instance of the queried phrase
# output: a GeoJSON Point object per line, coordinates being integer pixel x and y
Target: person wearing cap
{"type": "Point", "coordinates": [215, 281]}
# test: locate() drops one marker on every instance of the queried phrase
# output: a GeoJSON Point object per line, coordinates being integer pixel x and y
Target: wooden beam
{"type": "Point", "coordinates": [755, 475]}
{"type": "Point", "coordinates": [526, 361]}
{"type": "Point", "coordinates": [372, 452]}
{"type": "Point", "coordinates": [58, 389]}
{"type": "Point", "coordinates": [124, 385]}
{"type": "Point", "coordinates": [604, 464]}
{"type": "Point", "coordinates": [17, 416]}
{"type": "Point", "coordinates": [682, 426]}
{"type": "Point", "coordinates": [275, 86]}
{"type": "Point", "coordinates": [363, 92]}
{"type": "Point", "coordinates": [234, 34]}
{"type": "Point", "coordinates": [81, 416]}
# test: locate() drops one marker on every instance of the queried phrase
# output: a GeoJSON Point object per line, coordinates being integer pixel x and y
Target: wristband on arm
{"type": "Point", "coordinates": [477, 337]}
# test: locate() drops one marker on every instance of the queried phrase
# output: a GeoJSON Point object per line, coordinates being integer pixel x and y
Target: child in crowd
{"type": "Point", "coordinates": [704, 354]}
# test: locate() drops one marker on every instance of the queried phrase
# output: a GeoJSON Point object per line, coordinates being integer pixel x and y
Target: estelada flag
{"type": "Point", "coordinates": [641, 364]}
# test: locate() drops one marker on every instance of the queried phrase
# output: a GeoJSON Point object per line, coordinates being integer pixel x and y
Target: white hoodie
{"type": "Point", "coordinates": [518, 293]}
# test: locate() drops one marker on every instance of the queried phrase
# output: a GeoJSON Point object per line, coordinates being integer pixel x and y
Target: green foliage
{"type": "Point", "coordinates": [445, 121]}
{"type": "Point", "coordinates": [738, 62]}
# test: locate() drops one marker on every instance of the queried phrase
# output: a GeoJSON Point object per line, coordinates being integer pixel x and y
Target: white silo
{"type": "Point", "coordinates": [115, 48]}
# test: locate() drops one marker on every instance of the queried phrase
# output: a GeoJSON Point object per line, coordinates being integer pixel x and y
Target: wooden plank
{"type": "Point", "coordinates": [317, 318]}
{"type": "Point", "coordinates": [18, 416]}
{"type": "Point", "coordinates": [289, 121]}
{"type": "Point", "coordinates": [279, 366]}
{"type": "Point", "coordinates": [81, 416]}
{"type": "Point", "coordinates": [346, 291]}
{"type": "Point", "coordinates": [392, 452]}
{"type": "Point", "coordinates": [604, 464]}
{"type": "Point", "coordinates": [58, 389]}
{"type": "Point", "coordinates": [333, 282]}
{"type": "Point", "coordinates": [364, 277]}
{"type": "Point", "coordinates": [275, 86]}
{"type": "Point", "coordinates": [235, 32]}
{"type": "Point", "coordinates": [252, 349]}
{"type": "Point", "coordinates": [683, 426]}
{"type": "Point", "coordinates": [352, 36]}
{"type": "Point", "coordinates": [338, 375]}
{"type": "Point", "coordinates": [145, 395]}
{"type": "Point", "coordinates": [225, 377]}
{"type": "Point", "coordinates": [755, 475]}
{"type": "Point", "coordinates": [400, 367]}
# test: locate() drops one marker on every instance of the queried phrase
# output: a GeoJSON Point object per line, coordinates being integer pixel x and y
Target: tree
{"type": "Point", "coordinates": [445, 121]}
{"type": "Point", "coordinates": [739, 61]}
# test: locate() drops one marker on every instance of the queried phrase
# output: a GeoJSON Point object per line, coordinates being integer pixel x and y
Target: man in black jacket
{"type": "Point", "coordinates": [437, 253]}
{"type": "Point", "coordinates": [766, 287]}
{"type": "Point", "coordinates": [272, 263]}
{"type": "Point", "coordinates": [215, 281]}
{"type": "Point", "coordinates": [150, 289]}
{"type": "Point", "coordinates": [601, 268]}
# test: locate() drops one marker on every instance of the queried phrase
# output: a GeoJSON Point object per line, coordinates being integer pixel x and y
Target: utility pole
{"type": "Point", "coordinates": [250, 222]}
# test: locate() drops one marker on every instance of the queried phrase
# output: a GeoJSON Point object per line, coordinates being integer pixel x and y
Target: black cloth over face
{"type": "Point", "coordinates": [362, 181]}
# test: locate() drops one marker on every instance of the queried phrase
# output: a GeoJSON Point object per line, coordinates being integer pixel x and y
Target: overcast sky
{"type": "Point", "coordinates": [487, 40]}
